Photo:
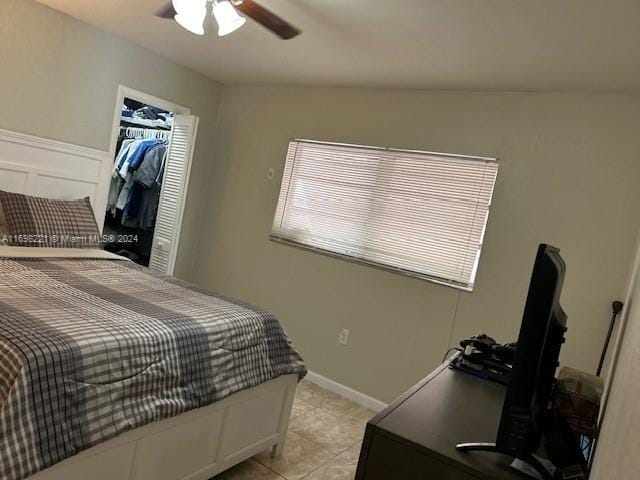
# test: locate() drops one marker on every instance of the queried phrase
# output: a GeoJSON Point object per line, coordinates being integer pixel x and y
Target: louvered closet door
{"type": "Point", "coordinates": [174, 192]}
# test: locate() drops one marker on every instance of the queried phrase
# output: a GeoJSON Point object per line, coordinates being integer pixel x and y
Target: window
{"type": "Point", "coordinates": [418, 213]}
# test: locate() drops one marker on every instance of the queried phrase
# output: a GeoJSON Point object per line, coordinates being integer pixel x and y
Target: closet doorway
{"type": "Point", "coordinates": [152, 145]}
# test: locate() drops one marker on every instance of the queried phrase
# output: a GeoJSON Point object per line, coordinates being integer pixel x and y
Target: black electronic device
{"type": "Point", "coordinates": [480, 365]}
{"type": "Point", "coordinates": [483, 357]}
{"type": "Point", "coordinates": [506, 352]}
{"type": "Point", "coordinates": [536, 359]}
{"type": "Point", "coordinates": [482, 342]}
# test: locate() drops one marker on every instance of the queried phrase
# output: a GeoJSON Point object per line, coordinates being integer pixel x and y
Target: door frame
{"type": "Point", "coordinates": [127, 92]}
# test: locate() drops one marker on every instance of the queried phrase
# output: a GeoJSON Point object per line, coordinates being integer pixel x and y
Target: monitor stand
{"type": "Point", "coordinates": [492, 447]}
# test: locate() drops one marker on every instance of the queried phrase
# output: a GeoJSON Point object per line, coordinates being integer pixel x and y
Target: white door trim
{"type": "Point", "coordinates": [127, 92]}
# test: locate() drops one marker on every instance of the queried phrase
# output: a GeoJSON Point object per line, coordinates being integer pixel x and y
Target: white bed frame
{"type": "Point", "coordinates": [48, 168]}
{"type": "Point", "coordinates": [193, 446]}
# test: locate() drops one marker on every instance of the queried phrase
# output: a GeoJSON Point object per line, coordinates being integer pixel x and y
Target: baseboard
{"type": "Point", "coordinates": [343, 390]}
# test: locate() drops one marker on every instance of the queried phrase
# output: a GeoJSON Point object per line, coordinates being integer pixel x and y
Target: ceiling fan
{"type": "Point", "coordinates": [193, 14]}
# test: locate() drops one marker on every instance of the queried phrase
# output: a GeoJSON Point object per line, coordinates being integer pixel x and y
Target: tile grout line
{"type": "Point", "coordinates": [322, 404]}
{"type": "Point", "coordinates": [308, 440]}
{"type": "Point", "coordinates": [319, 466]}
{"type": "Point", "coordinates": [334, 456]}
{"type": "Point", "coordinates": [329, 461]}
{"type": "Point", "coordinates": [270, 469]}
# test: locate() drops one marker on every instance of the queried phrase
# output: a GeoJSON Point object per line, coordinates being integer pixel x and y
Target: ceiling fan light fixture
{"type": "Point", "coordinates": [227, 17]}
{"type": "Point", "coordinates": [191, 14]}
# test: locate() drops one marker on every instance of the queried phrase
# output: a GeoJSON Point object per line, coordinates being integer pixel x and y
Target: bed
{"type": "Point", "coordinates": [110, 371]}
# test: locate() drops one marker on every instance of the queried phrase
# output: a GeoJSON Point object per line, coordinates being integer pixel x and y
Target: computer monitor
{"type": "Point", "coordinates": [539, 343]}
{"type": "Point", "coordinates": [533, 373]}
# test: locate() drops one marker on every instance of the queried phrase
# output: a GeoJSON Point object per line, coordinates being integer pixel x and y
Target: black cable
{"type": "Point", "coordinates": [450, 350]}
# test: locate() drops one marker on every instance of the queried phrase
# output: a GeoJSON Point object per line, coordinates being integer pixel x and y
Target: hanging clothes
{"type": "Point", "coordinates": [151, 177]}
{"type": "Point", "coordinates": [136, 180]}
{"type": "Point", "coordinates": [117, 181]}
{"type": "Point", "coordinates": [134, 156]}
{"type": "Point", "coordinates": [149, 170]}
{"type": "Point", "coordinates": [149, 207]}
{"type": "Point", "coordinates": [144, 194]}
{"type": "Point", "coordinates": [129, 159]}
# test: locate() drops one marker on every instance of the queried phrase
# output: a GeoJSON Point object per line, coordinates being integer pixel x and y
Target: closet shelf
{"type": "Point", "coordinates": [144, 122]}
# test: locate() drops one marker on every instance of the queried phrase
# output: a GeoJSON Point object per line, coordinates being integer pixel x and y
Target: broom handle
{"type": "Point", "coordinates": [616, 307]}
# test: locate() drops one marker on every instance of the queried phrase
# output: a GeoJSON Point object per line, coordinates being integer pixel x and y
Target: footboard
{"type": "Point", "coordinates": [193, 446]}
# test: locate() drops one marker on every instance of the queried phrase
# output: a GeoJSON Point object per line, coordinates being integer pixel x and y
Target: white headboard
{"type": "Point", "coordinates": [48, 168]}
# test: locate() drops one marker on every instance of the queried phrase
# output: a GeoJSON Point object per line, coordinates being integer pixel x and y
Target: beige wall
{"type": "Point", "coordinates": [619, 442]}
{"type": "Point", "coordinates": [59, 78]}
{"type": "Point", "coordinates": [568, 176]}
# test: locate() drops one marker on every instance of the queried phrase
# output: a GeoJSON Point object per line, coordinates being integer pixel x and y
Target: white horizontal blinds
{"type": "Point", "coordinates": [419, 212]}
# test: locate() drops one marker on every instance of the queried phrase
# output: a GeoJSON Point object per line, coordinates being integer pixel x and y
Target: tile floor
{"type": "Point", "coordinates": [323, 443]}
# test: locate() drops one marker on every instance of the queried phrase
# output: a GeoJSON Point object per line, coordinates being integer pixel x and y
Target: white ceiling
{"type": "Point", "coordinates": [591, 45]}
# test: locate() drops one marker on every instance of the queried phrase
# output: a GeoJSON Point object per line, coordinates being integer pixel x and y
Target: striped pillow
{"type": "Point", "coordinates": [44, 222]}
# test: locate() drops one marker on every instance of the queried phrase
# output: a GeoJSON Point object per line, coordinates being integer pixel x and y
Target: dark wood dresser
{"type": "Point", "coordinates": [416, 436]}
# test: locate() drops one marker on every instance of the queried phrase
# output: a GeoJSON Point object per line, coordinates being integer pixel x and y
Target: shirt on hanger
{"type": "Point", "coordinates": [139, 211]}
{"type": "Point", "coordinates": [132, 159]}
{"type": "Point", "coordinates": [149, 207]}
{"type": "Point", "coordinates": [135, 155]}
{"type": "Point", "coordinates": [150, 175]}
{"type": "Point", "coordinates": [116, 181]}
{"type": "Point", "coordinates": [126, 147]}
{"type": "Point", "coordinates": [149, 169]}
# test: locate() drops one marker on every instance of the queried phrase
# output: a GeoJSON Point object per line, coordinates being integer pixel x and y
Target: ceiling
{"type": "Point", "coordinates": [586, 45]}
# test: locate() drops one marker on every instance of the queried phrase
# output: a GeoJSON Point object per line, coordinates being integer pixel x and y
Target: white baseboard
{"type": "Point", "coordinates": [343, 390]}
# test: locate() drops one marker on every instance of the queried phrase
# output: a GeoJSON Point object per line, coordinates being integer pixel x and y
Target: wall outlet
{"type": "Point", "coordinates": [271, 173]}
{"type": "Point", "coordinates": [343, 337]}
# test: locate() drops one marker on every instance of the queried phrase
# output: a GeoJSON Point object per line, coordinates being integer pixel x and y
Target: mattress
{"type": "Point", "coordinates": [93, 345]}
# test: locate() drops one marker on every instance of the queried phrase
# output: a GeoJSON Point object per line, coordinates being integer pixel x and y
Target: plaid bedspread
{"type": "Point", "coordinates": [92, 348]}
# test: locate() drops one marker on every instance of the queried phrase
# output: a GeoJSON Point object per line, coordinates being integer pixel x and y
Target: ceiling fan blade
{"type": "Point", "coordinates": [267, 19]}
{"type": "Point", "coordinates": [166, 11]}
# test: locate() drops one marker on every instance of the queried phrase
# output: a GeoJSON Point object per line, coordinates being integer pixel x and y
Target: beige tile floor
{"type": "Point", "coordinates": [323, 443]}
